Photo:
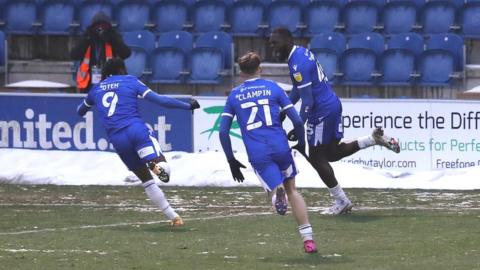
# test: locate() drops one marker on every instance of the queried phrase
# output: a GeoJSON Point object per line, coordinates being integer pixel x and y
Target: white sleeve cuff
{"type": "Point", "coordinates": [287, 107]}
{"type": "Point", "coordinates": [227, 114]}
{"type": "Point", "coordinates": [146, 92]}
{"type": "Point", "coordinates": [86, 104]}
{"type": "Point", "coordinates": [304, 85]}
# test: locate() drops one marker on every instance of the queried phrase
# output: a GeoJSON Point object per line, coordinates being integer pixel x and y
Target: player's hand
{"type": "Point", "coordinates": [194, 104]}
{"type": "Point", "coordinates": [292, 136]}
{"type": "Point", "coordinates": [301, 149]}
{"type": "Point", "coordinates": [235, 166]}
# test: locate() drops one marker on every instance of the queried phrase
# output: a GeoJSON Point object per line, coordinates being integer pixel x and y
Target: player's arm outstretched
{"type": "Point", "coordinates": [86, 105]}
{"type": "Point", "coordinates": [169, 102]}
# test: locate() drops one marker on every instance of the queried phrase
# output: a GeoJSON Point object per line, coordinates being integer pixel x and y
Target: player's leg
{"type": "Point", "coordinates": [299, 210]}
{"type": "Point", "coordinates": [269, 175]}
{"type": "Point", "coordinates": [323, 134]}
{"type": "Point", "coordinates": [133, 144]}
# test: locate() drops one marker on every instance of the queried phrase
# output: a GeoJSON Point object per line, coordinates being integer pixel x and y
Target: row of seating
{"type": "Point", "coordinates": [246, 17]}
{"type": "Point", "coordinates": [405, 59]}
{"type": "Point", "coordinates": [176, 58]}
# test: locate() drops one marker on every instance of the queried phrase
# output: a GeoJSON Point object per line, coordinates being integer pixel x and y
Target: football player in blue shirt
{"type": "Point", "coordinates": [322, 110]}
{"type": "Point", "coordinates": [257, 104]}
{"type": "Point", "coordinates": [115, 99]}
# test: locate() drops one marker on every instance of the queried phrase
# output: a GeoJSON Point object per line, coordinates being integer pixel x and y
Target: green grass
{"type": "Point", "coordinates": [54, 227]}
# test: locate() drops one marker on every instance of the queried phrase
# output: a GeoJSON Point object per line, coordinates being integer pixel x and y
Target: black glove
{"type": "Point", "coordinates": [292, 136]}
{"type": "Point", "coordinates": [301, 149]}
{"type": "Point", "coordinates": [194, 104]}
{"type": "Point", "coordinates": [235, 166]}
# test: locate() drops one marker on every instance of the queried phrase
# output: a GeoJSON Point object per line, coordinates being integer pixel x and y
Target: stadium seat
{"type": "Point", "coordinates": [170, 15]}
{"type": "Point", "coordinates": [57, 17]}
{"type": "Point", "coordinates": [276, 16]}
{"type": "Point", "coordinates": [206, 66]}
{"type": "Point", "coordinates": [436, 67]}
{"type": "Point", "coordinates": [169, 60]}
{"type": "Point", "coordinates": [132, 15]}
{"type": "Point", "coordinates": [89, 8]}
{"type": "Point", "coordinates": [470, 20]}
{"type": "Point", "coordinates": [168, 65]}
{"type": "Point", "coordinates": [176, 39]}
{"type": "Point", "coordinates": [220, 40]}
{"type": "Point", "coordinates": [2, 50]}
{"type": "Point", "coordinates": [144, 39]}
{"type": "Point", "coordinates": [438, 17]}
{"type": "Point", "coordinates": [398, 62]}
{"type": "Point", "coordinates": [328, 47]}
{"type": "Point", "coordinates": [358, 62]}
{"type": "Point", "coordinates": [449, 42]}
{"type": "Point", "coordinates": [20, 17]}
{"type": "Point", "coordinates": [208, 15]}
{"type": "Point", "coordinates": [246, 18]}
{"type": "Point", "coordinates": [137, 62]}
{"type": "Point", "coordinates": [322, 17]}
{"type": "Point", "coordinates": [361, 16]}
{"type": "Point", "coordinates": [399, 17]}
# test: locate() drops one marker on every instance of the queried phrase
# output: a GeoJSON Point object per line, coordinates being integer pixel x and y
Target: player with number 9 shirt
{"type": "Point", "coordinates": [115, 99]}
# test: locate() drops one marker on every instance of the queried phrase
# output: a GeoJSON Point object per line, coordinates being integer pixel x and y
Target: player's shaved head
{"type": "Point", "coordinates": [249, 63]}
{"type": "Point", "coordinates": [281, 43]}
{"type": "Point", "coordinates": [114, 66]}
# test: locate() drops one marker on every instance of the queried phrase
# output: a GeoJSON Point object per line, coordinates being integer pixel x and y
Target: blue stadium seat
{"type": "Point", "coordinates": [220, 40]}
{"type": "Point", "coordinates": [409, 41]}
{"type": "Point", "coordinates": [399, 17]}
{"type": "Point", "coordinates": [438, 17]}
{"type": "Point", "coordinates": [436, 67]}
{"type": "Point", "coordinates": [359, 61]}
{"type": "Point", "coordinates": [168, 65]}
{"type": "Point", "coordinates": [449, 42]}
{"type": "Point", "coordinates": [132, 15]}
{"type": "Point", "coordinates": [144, 39]}
{"type": "Point", "coordinates": [169, 60]}
{"type": "Point", "coordinates": [398, 62]}
{"type": "Point", "coordinates": [89, 8]}
{"type": "Point", "coordinates": [328, 47]}
{"type": "Point", "coordinates": [208, 15]}
{"type": "Point", "coordinates": [470, 20]}
{"type": "Point", "coordinates": [206, 65]}
{"type": "Point", "coordinates": [137, 62]}
{"type": "Point", "coordinates": [246, 18]}
{"type": "Point", "coordinates": [57, 17]}
{"type": "Point", "coordinates": [170, 15]}
{"type": "Point", "coordinates": [2, 50]}
{"type": "Point", "coordinates": [176, 39]}
{"type": "Point", "coordinates": [361, 16]}
{"type": "Point", "coordinates": [20, 17]}
{"type": "Point", "coordinates": [285, 13]}
{"type": "Point", "coordinates": [322, 17]}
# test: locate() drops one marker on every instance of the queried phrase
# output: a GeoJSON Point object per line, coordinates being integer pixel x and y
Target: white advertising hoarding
{"type": "Point", "coordinates": [433, 134]}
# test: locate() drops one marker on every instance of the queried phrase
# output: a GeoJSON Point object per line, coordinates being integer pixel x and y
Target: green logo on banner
{"type": "Point", "coordinates": [216, 126]}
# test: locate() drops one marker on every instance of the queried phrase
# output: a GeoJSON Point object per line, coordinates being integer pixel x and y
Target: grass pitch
{"type": "Point", "coordinates": [93, 227]}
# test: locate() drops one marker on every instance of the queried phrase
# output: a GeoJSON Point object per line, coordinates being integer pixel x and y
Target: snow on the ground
{"type": "Point", "coordinates": [207, 169]}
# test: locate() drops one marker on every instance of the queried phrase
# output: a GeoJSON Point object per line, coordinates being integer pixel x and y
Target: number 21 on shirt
{"type": "Point", "coordinates": [254, 106]}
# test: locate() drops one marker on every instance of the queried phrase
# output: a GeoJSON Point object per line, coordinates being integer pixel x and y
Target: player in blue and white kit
{"type": "Point", "coordinates": [257, 104]}
{"type": "Point", "coordinates": [322, 110]}
{"type": "Point", "coordinates": [115, 99]}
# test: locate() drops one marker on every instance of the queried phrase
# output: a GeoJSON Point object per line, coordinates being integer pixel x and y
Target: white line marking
{"type": "Point", "coordinates": [55, 251]}
{"type": "Point", "coordinates": [129, 224]}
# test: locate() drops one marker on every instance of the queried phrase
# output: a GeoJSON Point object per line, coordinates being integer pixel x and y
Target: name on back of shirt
{"type": "Point", "coordinates": [252, 94]}
{"type": "Point", "coordinates": [109, 86]}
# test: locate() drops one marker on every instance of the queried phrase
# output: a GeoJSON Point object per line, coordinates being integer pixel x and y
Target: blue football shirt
{"type": "Point", "coordinates": [257, 104]}
{"type": "Point", "coordinates": [116, 100]}
{"type": "Point", "coordinates": [306, 71]}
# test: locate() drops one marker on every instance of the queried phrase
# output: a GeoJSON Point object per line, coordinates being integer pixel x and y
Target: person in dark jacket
{"type": "Point", "coordinates": [99, 44]}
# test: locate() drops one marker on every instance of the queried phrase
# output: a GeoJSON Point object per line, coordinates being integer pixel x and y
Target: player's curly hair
{"type": "Point", "coordinates": [249, 63]}
{"type": "Point", "coordinates": [114, 66]}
